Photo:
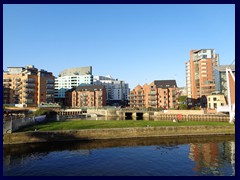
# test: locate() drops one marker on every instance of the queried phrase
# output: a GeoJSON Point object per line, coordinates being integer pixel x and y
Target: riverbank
{"type": "Point", "coordinates": [99, 124]}
{"type": "Point", "coordinates": [115, 133]}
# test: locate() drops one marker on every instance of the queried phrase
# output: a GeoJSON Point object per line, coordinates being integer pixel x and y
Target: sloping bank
{"type": "Point", "coordinates": [114, 133]}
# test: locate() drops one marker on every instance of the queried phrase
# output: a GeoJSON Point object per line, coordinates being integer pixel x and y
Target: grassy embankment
{"type": "Point", "coordinates": [92, 124]}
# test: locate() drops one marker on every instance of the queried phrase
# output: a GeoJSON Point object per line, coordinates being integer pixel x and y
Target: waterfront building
{"type": "Point", "coordinates": [221, 79]}
{"type": "Point", "coordinates": [200, 79]}
{"type": "Point", "coordinates": [216, 100]}
{"type": "Point", "coordinates": [117, 90]}
{"type": "Point", "coordinates": [70, 78]}
{"type": "Point", "coordinates": [28, 86]}
{"type": "Point", "coordinates": [159, 94]}
{"type": "Point", "coordinates": [87, 96]}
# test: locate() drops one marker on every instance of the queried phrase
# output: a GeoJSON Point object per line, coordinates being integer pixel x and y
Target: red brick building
{"type": "Point", "coordinates": [159, 94]}
{"type": "Point", "coordinates": [86, 96]}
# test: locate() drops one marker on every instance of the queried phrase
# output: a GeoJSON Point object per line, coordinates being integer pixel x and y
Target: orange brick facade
{"type": "Point", "coordinates": [154, 96]}
{"type": "Point", "coordinates": [202, 80]}
{"type": "Point", "coordinates": [28, 86]}
{"type": "Point", "coordinates": [92, 96]}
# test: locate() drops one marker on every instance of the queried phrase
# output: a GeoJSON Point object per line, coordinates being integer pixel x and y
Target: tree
{"type": "Point", "coordinates": [182, 99]}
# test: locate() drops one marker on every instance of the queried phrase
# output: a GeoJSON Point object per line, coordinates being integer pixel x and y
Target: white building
{"type": "Point", "coordinates": [188, 80]}
{"type": "Point", "coordinates": [66, 82]}
{"type": "Point", "coordinates": [117, 90]}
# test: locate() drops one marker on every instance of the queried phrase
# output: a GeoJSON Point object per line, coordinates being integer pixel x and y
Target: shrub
{"type": "Point", "coordinates": [196, 108]}
{"type": "Point", "coordinates": [183, 107]}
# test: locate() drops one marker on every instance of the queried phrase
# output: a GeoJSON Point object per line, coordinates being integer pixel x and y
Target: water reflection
{"type": "Point", "coordinates": [138, 156]}
{"type": "Point", "coordinates": [212, 157]}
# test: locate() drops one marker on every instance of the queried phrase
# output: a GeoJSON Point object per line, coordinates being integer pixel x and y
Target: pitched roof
{"type": "Point", "coordinates": [165, 83]}
{"type": "Point", "coordinates": [71, 90]}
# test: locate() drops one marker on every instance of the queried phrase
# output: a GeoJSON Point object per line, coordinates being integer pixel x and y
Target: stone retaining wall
{"type": "Point", "coordinates": [114, 133]}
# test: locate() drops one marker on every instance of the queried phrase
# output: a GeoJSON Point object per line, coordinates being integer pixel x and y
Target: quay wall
{"type": "Point", "coordinates": [115, 133]}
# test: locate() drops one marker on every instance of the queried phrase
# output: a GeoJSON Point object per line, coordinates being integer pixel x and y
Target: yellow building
{"type": "Point", "coordinates": [28, 86]}
{"type": "Point", "coordinates": [215, 101]}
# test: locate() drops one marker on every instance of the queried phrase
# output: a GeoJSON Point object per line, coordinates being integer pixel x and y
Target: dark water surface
{"type": "Point", "coordinates": [187, 156]}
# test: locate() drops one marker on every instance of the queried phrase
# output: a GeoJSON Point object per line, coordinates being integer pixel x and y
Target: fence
{"type": "Point", "coordinates": [192, 117]}
{"type": "Point", "coordinates": [12, 123]}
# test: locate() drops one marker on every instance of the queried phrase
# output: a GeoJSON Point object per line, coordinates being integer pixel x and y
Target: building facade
{"type": "Point", "coordinates": [117, 90]}
{"type": "Point", "coordinates": [216, 100]}
{"type": "Point", "coordinates": [221, 79]}
{"type": "Point", "coordinates": [71, 78]}
{"type": "Point", "coordinates": [90, 96]}
{"type": "Point", "coordinates": [200, 79]}
{"type": "Point", "coordinates": [64, 83]}
{"type": "Point", "coordinates": [28, 86]}
{"type": "Point", "coordinates": [159, 94]}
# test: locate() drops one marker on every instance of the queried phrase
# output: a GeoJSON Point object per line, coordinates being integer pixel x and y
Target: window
{"type": "Point", "coordinates": [204, 56]}
{"type": "Point", "coordinates": [215, 105]}
{"type": "Point", "coordinates": [214, 99]}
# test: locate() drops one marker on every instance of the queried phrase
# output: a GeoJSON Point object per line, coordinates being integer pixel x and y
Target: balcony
{"type": "Point", "coordinates": [29, 91]}
{"type": "Point", "coordinates": [30, 86]}
{"type": "Point", "coordinates": [50, 81]}
{"type": "Point", "coordinates": [6, 92]}
{"type": "Point", "coordinates": [15, 95]}
{"type": "Point", "coordinates": [30, 101]}
{"type": "Point", "coordinates": [50, 91]}
{"type": "Point", "coordinates": [6, 96]}
{"type": "Point", "coordinates": [7, 85]}
{"type": "Point", "coordinates": [18, 83]}
{"type": "Point", "coordinates": [50, 86]}
{"type": "Point", "coordinates": [29, 81]}
{"type": "Point", "coordinates": [18, 88]}
{"type": "Point", "coordinates": [7, 80]}
{"type": "Point", "coordinates": [28, 96]}
{"type": "Point", "coordinates": [152, 99]}
{"type": "Point", "coordinates": [152, 94]}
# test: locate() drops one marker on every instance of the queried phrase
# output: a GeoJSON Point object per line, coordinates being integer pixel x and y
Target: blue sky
{"type": "Point", "coordinates": [137, 43]}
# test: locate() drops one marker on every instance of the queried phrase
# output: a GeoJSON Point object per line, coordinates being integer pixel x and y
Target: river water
{"type": "Point", "coordinates": [158, 156]}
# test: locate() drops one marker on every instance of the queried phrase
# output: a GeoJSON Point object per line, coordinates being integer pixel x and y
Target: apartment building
{"type": "Point", "coordinates": [221, 80]}
{"type": "Point", "coordinates": [28, 86]}
{"type": "Point", "coordinates": [159, 94]}
{"type": "Point", "coordinates": [70, 78]}
{"type": "Point", "coordinates": [117, 90]}
{"type": "Point", "coordinates": [93, 96]}
{"type": "Point", "coordinates": [200, 79]}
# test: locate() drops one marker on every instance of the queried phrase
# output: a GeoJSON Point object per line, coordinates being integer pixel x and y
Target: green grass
{"type": "Point", "coordinates": [97, 124]}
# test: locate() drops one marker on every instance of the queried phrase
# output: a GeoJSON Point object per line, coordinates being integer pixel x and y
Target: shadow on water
{"type": "Point", "coordinates": [166, 142]}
